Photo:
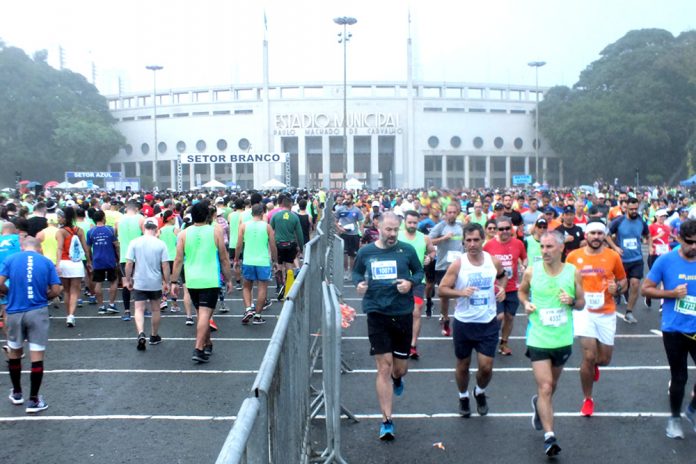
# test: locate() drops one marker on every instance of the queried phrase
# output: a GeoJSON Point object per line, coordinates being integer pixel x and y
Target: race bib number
{"type": "Point", "coordinates": [661, 249]}
{"type": "Point", "coordinates": [384, 270]}
{"type": "Point", "coordinates": [453, 255]}
{"type": "Point", "coordinates": [349, 226]}
{"type": "Point", "coordinates": [479, 299]}
{"type": "Point", "coordinates": [630, 243]}
{"type": "Point", "coordinates": [554, 317]}
{"type": "Point", "coordinates": [686, 305]}
{"type": "Point", "coordinates": [594, 300]}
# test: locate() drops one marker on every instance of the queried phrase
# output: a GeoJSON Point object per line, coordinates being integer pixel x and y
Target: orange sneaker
{"type": "Point", "coordinates": [213, 325]}
{"type": "Point", "coordinates": [587, 407]}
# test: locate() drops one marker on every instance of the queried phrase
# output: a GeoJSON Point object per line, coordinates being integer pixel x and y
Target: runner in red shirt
{"type": "Point", "coordinates": [510, 252]}
{"type": "Point", "coordinates": [661, 238]}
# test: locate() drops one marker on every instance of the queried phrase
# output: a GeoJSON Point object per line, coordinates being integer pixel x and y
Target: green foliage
{"type": "Point", "coordinates": [51, 121]}
{"type": "Point", "coordinates": [634, 108]}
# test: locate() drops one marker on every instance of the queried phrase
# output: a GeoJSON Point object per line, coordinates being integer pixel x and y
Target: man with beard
{"type": "Point", "coordinates": [676, 271]}
{"type": "Point", "coordinates": [385, 272]}
{"type": "Point", "coordinates": [626, 231]}
{"type": "Point", "coordinates": [603, 278]}
{"type": "Point", "coordinates": [426, 253]}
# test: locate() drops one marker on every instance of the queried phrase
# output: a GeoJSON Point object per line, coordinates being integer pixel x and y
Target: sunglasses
{"type": "Point", "coordinates": [542, 227]}
{"type": "Point", "coordinates": [688, 242]}
{"type": "Point", "coordinates": [503, 229]}
{"type": "Point", "coordinates": [490, 228]}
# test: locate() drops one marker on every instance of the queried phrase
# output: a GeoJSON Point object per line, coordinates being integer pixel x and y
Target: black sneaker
{"type": "Point", "coordinates": [551, 447]}
{"type": "Point", "coordinates": [258, 320]}
{"type": "Point", "coordinates": [199, 356]}
{"type": "Point", "coordinates": [141, 342]}
{"type": "Point", "coordinates": [248, 315]}
{"type": "Point", "coordinates": [267, 304]}
{"type": "Point", "coordinates": [481, 404]}
{"type": "Point", "coordinates": [155, 339]}
{"type": "Point", "coordinates": [429, 308]}
{"type": "Point", "coordinates": [208, 349]}
{"type": "Point", "coordinates": [648, 302]}
{"type": "Point", "coordinates": [281, 293]}
{"type": "Point", "coordinates": [464, 409]}
{"type": "Point", "coordinates": [536, 420]}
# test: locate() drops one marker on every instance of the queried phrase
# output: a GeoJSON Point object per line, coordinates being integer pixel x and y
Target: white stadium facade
{"type": "Point", "coordinates": [406, 134]}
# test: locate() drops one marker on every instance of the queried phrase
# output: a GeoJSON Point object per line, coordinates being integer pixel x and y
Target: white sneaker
{"type": "Point", "coordinates": [630, 318]}
{"type": "Point", "coordinates": [70, 321]}
{"type": "Point", "coordinates": [674, 428]}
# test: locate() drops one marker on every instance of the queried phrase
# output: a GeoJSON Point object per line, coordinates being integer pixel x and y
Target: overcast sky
{"type": "Point", "coordinates": [212, 42]}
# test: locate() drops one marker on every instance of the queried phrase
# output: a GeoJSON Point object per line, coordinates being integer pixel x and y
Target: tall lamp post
{"type": "Point", "coordinates": [536, 65]}
{"type": "Point", "coordinates": [344, 37]}
{"type": "Point", "coordinates": [154, 69]}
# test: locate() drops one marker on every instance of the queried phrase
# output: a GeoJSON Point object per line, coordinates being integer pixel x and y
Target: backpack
{"type": "Point", "coordinates": [76, 253]}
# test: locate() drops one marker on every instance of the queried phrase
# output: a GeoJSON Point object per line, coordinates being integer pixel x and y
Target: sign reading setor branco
{"type": "Point", "coordinates": [232, 158]}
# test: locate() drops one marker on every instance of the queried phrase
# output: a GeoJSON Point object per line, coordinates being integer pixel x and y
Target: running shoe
{"type": "Point", "coordinates": [70, 321]}
{"type": "Point", "coordinates": [213, 325]}
{"type": "Point", "coordinates": [238, 287]}
{"type": "Point", "coordinates": [148, 313]}
{"type": "Point", "coordinates": [92, 300]}
{"type": "Point", "coordinates": [398, 389]}
{"type": "Point", "coordinates": [630, 318]}
{"type": "Point", "coordinates": [174, 308]}
{"type": "Point", "coordinates": [464, 409]}
{"type": "Point", "coordinates": [126, 316]}
{"type": "Point", "coordinates": [258, 320]}
{"type": "Point", "coordinates": [16, 398]}
{"type": "Point", "coordinates": [536, 420]}
{"type": "Point", "coordinates": [429, 308]}
{"type": "Point", "coordinates": [199, 356]}
{"type": "Point", "coordinates": [2, 325]}
{"type": "Point", "coordinates": [155, 340]}
{"type": "Point", "coordinates": [690, 415]}
{"type": "Point", "coordinates": [674, 428]}
{"type": "Point", "coordinates": [481, 404]}
{"type": "Point", "coordinates": [413, 354]}
{"type": "Point", "coordinates": [208, 349]}
{"type": "Point", "coordinates": [596, 373]}
{"type": "Point", "coordinates": [189, 320]}
{"type": "Point", "coordinates": [446, 331]}
{"type": "Point", "coordinates": [386, 431]}
{"type": "Point", "coordinates": [37, 405]}
{"type": "Point", "coordinates": [102, 310]}
{"type": "Point", "coordinates": [79, 302]}
{"type": "Point", "coordinates": [267, 304]}
{"type": "Point", "coordinates": [111, 309]}
{"type": "Point", "coordinates": [281, 293]}
{"type": "Point", "coordinates": [504, 349]}
{"type": "Point", "coordinates": [587, 407]}
{"type": "Point", "coordinates": [163, 304]}
{"type": "Point", "coordinates": [648, 302]}
{"type": "Point", "coordinates": [248, 315]}
{"type": "Point", "coordinates": [141, 342]}
{"type": "Point", "coordinates": [551, 447]}
{"type": "Point", "coordinates": [223, 308]}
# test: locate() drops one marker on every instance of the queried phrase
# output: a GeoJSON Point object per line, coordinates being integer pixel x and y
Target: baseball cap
{"type": "Point", "coordinates": [600, 195]}
{"type": "Point", "coordinates": [569, 209]}
{"type": "Point", "coordinates": [499, 206]}
{"type": "Point", "coordinates": [219, 200]}
{"type": "Point", "coordinates": [148, 197]}
{"type": "Point", "coordinates": [542, 222]}
{"type": "Point", "coordinates": [661, 212]}
{"type": "Point", "coordinates": [70, 203]}
{"type": "Point", "coordinates": [375, 203]}
{"type": "Point", "coordinates": [549, 210]}
{"type": "Point", "coordinates": [151, 223]}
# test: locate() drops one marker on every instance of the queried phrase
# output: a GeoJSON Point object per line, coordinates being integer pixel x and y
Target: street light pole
{"type": "Point", "coordinates": [536, 65]}
{"type": "Point", "coordinates": [154, 69]}
{"type": "Point", "coordinates": [344, 37]}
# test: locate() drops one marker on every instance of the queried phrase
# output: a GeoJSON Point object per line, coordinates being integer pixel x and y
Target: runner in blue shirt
{"type": "Point", "coordinates": [676, 271]}
{"type": "Point", "coordinates": [105, 247]}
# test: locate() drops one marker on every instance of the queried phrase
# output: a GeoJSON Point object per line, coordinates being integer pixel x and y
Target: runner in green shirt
{"type": "Point", "coordinates": [128, 228]}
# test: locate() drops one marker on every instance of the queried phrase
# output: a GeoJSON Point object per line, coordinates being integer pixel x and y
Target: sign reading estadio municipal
{"type": "Point", "coordinates": [232, 158]}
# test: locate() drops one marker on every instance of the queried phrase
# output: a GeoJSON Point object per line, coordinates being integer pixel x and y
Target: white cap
{"type": "Point", "coordinates": [661, 212]}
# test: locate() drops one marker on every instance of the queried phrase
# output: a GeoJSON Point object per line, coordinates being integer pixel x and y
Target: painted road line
{"type": "Point", "coordinates": [174, 339]}
{"type": "Point", "coordinates": [117, 417]}
{"type": "Point", "coordinates": [146, 371]}
{"type": "Point", "coordinates": [511, 415]}
{"type": "Point", "coordinates": [520, 369]}
{"type": "Point", "coordinates": [449, 339]}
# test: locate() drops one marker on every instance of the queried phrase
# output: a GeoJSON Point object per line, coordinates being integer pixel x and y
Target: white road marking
{"type": "Point", "coordinates": [145, 371]}
{"type": "Point", "coordinates": [511, 415]}
{"type": "Point", "coordinates": [173, 339]}
{"type": "Point", "coordinates": [116, 417]}
{"type": "Point", "coordinates": [521, 369]}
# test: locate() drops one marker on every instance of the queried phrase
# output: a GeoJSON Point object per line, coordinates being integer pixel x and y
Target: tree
{"type": "Point", "coordinates": [632, 109]}
{"type": "Point", "coordinates": [50, 120]}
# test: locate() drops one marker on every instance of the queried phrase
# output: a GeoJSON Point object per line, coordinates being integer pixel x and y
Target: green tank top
{"type": "Point", "coordinates": [246, 216]}
{"type": "Point", "coordinates": [480, 221]}
{"type": "Point", "coordinates": [533, 250]}
{"type": "Point", "coordinates": [233, 220]}
{"type": "Point", "coordinates": [128, 230]}
{"type": "Point", "coordinates": [49, 246]}
{"type": "Point", "coordinates": [256, 244]}
{"type": "Point", "coordinates": [418, 243]}
{"type": "Point", "coordinates": [551, 325]}
{"type": "Point", "coordinates": [200, 258]}
{"type": "Point", "coordinates": [168, 236]}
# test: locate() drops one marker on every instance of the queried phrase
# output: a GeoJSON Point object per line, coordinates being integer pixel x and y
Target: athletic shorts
{"type": "Point", "coordinates": [468, 336]}
{"type": "Point", "coordinates": [287, 252]}
{"type": "Point", "coordinates": [256, 273]}
{"type": "Point", "coordinates": [351, 243]}
{"type": "Point", "coordinates": [557, 356]}
{"type": "Point", "coordinates": [509, 305]}
{"type": "Point", "coordinates": [595, 325]}
{"type": "Point", "coordinates": [419, 293]}
{"type": "Point", "coordinates": [390, 334]}
{"type": "Point", "coordinates": [100, 275]}
{"type": "Point", "coordinates": [651, 260]}
{"type": "Point", "coordinates": [438, 275]}
{"type": "Point", "coordinates": [29, 325]}
{"type": "Point", "coordinates": [71, 269]}
{"type": "Point", "coordinates": [634, 270]}
{"type": "Point", "coordinates": [206, 297]}
{"type": "Point", "coordinates": [146, 295]}
{"type": "Point", "coordinates": [429, 270]}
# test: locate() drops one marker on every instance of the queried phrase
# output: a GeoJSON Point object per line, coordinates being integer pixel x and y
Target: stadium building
{"type": "Point", "coordinates": [399, 134]}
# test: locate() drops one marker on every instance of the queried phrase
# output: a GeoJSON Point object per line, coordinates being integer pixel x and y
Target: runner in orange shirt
{"type": "Point", "coordinates": [603, 277]}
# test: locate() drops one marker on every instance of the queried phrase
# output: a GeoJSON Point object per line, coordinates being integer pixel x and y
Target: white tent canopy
{"type": "Point", "coordinates": [273, 184]}
{"type": "Point", "coordinates": [213, 184]}
{"type": "Point", "coordinates": [354, 184]}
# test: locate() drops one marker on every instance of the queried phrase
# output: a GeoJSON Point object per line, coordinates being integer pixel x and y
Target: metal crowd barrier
{"type": "Point", "coordinates": [273, 423]}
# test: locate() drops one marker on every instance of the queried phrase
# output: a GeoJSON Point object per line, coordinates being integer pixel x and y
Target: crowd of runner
{"type": "Point", "coordinates": [572, 259]}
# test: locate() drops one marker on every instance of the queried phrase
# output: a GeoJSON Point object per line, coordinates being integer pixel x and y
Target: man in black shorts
{"type": "Point", "coordinates": [148, 280]}
{"type": "Point", "coordinates": [288, 234]}
{"type": "Point", "coordinates": [349, 221]}
{"type": "Point", "coordinates": [385, 272]}
{"type": "Point", "coordinates": [102, 239]}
